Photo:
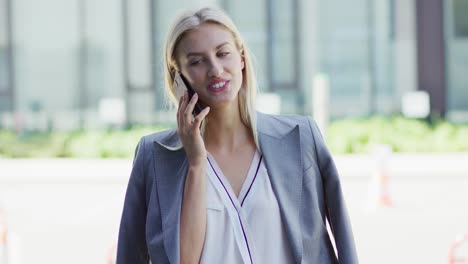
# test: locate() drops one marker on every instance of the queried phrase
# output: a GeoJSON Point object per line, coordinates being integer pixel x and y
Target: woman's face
{"type": "Point", "coordinates": [211, 62]}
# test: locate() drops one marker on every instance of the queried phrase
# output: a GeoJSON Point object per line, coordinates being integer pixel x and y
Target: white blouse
{"type": "Point", "coordinates": [244, 229]}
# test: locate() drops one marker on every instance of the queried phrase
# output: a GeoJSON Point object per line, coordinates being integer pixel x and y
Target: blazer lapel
{"type": "Point", "coordinates": [170, 169]}
{"type": "Point", "coordinates": [283, 159]}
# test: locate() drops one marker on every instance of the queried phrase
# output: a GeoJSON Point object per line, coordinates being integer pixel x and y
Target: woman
{"type": "Point", "coordinates": [229, 185]}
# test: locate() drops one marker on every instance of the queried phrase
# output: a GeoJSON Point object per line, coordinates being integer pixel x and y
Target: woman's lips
{"type": "Point", "coordinates": [218, 86]}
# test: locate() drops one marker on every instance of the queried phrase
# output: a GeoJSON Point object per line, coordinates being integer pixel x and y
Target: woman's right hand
{"type": "Point", "coordinates": [189, 130]}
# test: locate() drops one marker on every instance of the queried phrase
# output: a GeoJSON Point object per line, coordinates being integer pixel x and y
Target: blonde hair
{"type": "Point", "coordinates": [190, 21]}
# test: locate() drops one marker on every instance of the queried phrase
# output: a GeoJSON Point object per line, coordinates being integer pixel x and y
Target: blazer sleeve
{"type": "Point", "coordinates": [131, 247]}
{"type": "Point", "coordinates": [336, 211]}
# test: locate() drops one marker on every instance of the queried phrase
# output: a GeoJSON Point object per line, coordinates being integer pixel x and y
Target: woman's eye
{"type": "Point", "coordinates": [195, 62]}
{"type": "Point", "coordinates": [223, 54]}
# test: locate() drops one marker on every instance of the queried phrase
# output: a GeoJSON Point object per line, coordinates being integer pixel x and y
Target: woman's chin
{"type": "Point", "coordinates": [221, 101]}
{"type": "Point", "coordinates": [222, 105]}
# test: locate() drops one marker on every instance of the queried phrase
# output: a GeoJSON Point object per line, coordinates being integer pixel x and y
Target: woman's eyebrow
{"type": "Point", "coordinates": [191, 54]}
{"type": "Point", "coordinates": [222, 44]}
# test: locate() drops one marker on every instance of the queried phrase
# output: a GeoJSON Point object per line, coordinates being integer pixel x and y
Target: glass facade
{"type": "Point", "coordinates": [6, 85]}
{"type": "Point", "coordinates": [456, 41]}
{"type": "Point", "coordinates": [253, 23]}
{"type": "Point", "coordinates": [282, 44]}
{"type": "Point", "coordinates": [345, 54]}
{"type": "Point", "coordinates": [139, 60]}
{"type": "Point", "coordinates": [357, 55]}
{"type": "Point", "coordinates": [69, 55]}
{"type": "Point", "coordinates": [46, 55]}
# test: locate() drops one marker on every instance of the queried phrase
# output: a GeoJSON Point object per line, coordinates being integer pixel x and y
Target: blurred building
{"type": "Point", "coordinates": [65, 63]}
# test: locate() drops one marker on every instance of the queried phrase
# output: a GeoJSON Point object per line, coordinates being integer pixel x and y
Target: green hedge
{"type": "Point", "coordinates": [89, 144]}
{"type": "Point", "coordinates": [403, 135]}
{"type": "Point", "coordinates": [343, 136]}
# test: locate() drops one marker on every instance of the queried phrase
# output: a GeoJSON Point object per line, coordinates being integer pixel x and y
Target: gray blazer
{"type": "Point", "coordinates": [303, 177]}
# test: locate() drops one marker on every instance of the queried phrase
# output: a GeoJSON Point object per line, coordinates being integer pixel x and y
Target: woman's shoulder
{"type": "Point", "coordinates": [160, 135]}
{"type": "Point", "coordinates": [284, 121]}
{"type": "Point", "coordinates": [166, 138]}
{"type": "Point", "coordinates": [283, 124]}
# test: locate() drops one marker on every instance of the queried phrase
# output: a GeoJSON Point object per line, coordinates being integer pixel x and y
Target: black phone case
{"type": "Point", "coordinates": [198, 106]}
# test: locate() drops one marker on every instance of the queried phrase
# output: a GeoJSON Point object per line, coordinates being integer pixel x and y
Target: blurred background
{"type": "Point", "coordinates": [387, 81]}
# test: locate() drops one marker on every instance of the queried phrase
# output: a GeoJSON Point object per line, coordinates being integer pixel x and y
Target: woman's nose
{"type": "Point", "coordinates": [216, 68]}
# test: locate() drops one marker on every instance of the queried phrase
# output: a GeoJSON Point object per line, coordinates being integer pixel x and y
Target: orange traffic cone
{"type": "Point", "coordinates": [3, 238]}
{"type": "Point", "coordinates": [384, 199]}
{"type": "Point", "coordinates": [112, 254]}
{"type": "Point", "coordinates": [459, 240]}
{"type": "Point", "coordinates": [379, 187]}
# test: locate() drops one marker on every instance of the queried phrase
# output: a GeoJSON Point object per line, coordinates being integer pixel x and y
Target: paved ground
{"type": "Point", "coordinates": [67, 211]}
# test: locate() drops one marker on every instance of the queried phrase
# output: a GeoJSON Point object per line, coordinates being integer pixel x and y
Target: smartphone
{"type": "Point", "coordinates": [180, 84]}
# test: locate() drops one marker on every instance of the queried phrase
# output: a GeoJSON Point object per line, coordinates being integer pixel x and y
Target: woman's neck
{"type": "Point", "coordinates": [225, 131]}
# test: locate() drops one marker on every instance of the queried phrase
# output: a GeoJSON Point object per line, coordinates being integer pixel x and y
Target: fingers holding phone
{"type": "Point", "coordinates": [187, 108]}
{"type": "Point", "coordinates": [181, 85]}
{"type": "Point", "coordinates": [188, 125]}
{"type": "Point", "coordinates": [183, 89]}
{"type": "Point", "coordinates": [192, 109]}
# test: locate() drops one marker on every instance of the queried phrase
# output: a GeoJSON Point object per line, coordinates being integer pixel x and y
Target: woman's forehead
{"type": "Point", "coordinates": [207, 37]}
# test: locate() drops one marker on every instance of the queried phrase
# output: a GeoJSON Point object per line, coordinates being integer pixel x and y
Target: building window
{"type": "Point", "coordinates": [283, 44]}
{"type": "Point", "coordinates": [6, 82]}
{"type": "Point", "coordinates": [251, 19]}
{"type": "Point", "coordinates": [460, 7]}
